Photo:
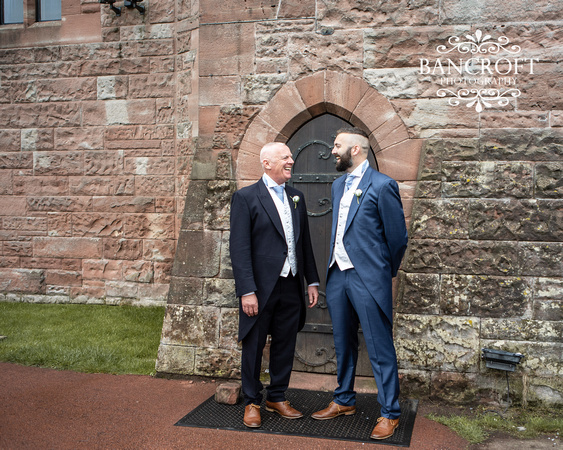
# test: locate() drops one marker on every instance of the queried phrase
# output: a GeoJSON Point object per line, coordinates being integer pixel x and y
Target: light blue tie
{"type": "Point", "coordinates": [349, 181]}
{"type": "Point", "coordinates": [279, 192]}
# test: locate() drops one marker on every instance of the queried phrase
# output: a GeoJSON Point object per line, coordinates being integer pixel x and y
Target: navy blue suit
{"type": "Point", "coordinates": [375, 239]}
{"type": "Point", "coordinates": [258, 251]}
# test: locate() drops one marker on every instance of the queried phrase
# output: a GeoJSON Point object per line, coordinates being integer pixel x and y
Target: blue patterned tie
{"type": "Point", "coordinates": [349, 181]}
{"type": "Point", "coordinates": [279, 192]}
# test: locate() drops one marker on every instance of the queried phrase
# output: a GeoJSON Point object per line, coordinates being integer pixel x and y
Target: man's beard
{"type": "Point", "coordinates": [345, 161]}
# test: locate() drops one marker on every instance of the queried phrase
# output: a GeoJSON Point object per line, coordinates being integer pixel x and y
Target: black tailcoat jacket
{"type": "Point", "coordinates": [259, 249]}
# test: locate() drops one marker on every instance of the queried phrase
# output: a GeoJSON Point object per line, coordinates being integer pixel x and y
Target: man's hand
{"type": "Point", "coordinates": [313, 292]}
{"type": "Point", "coordinates": [249, 305]}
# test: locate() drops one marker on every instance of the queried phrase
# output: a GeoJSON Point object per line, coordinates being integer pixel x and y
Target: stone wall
{"type": "Point", "coordinates": [122, 139]}
{"type": "Point", "coordinates": [483, 268]}
{"type": "Point", "coordinates": [484, 263]}
{"type": "Point", "coordinates": [94, 154]}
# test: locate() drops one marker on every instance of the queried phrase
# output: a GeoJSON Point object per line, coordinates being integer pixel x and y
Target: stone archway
{"type": "Point", "coordinates": [345, 96]}
{"type": "Point", "coordinates": [199, 331]}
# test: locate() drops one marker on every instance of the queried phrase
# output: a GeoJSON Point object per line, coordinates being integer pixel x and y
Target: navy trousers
{"type": "Point", "coordinates": [350, 303]}
{"type": "Point", "coordinates": [280, 319]}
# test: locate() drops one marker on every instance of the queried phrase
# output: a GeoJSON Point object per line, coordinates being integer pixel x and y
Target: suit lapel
{"type": "Point", "coordinates": [364, 185]}
{"type": "Point", "coordinates": [269, 206]}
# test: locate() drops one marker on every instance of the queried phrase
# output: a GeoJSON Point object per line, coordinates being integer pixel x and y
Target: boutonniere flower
{"type": "Point", "coordinates": [358, 194]}
{"type": "Point", "coordinates": [295, 200]}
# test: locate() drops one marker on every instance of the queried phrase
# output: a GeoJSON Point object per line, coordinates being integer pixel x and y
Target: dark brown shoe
{"type": "Point", "coordinates": [252, 416]}
{"type": "Point", "coordinates": [385, 428]}
{"type": "Point", "coordinates": [284, 409]}
{"type": "Point", "coordinates": [334, 410]}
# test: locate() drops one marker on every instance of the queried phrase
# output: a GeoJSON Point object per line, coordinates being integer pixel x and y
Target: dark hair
{"type": "Point", "coordinates": [352, 130]}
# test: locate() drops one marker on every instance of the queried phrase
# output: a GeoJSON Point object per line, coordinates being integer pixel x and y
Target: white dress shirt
{"type": "Point", "coordinates": [339, 255]}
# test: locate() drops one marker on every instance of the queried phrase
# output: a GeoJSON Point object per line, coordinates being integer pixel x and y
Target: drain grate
{"type": "Point", "coordinates": [358, 427]}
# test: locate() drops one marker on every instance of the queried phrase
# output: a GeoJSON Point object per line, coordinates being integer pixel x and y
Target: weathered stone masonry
{"type": "Point", "coordinates": [123, 138]}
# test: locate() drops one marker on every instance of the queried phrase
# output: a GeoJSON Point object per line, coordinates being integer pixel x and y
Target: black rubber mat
{"type": "Point", "coordinates": [358, 427]}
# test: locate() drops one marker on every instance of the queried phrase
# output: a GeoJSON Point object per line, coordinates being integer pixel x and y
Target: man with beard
{"type": "Point", "coordinates": [368, 241]}
{"type": "Point", "coordinates": [271, 253]}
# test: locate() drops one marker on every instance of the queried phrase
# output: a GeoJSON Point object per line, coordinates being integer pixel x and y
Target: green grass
{"type": "Point", "coordinates": [518, 422]}
{"type": "Point", "coordinates": [82, 338]}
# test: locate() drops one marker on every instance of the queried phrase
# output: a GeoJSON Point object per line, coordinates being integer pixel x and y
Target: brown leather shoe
{"type": "Point", "coordinates": [252, 416]}
{"type": "Point", "coordinates": [385, 428]}
{"type": "Point", "coordinates": [284, 409]}
{"type": "Point", "coordinates": [334, 410]}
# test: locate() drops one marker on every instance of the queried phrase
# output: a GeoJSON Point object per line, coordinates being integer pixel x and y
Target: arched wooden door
{"type": "Point", "coordinates": [313, 174]}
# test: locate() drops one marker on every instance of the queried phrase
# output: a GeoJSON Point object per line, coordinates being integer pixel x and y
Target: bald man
{"type": "Point", "coordinates": [271, 254]}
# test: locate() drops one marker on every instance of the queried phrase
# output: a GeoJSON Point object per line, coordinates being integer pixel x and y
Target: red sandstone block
{"type": "Point", "coordinates": [58, 163]}
{"type": "Point", "coordinates": [160, 47]}
{"type": "Point", "coordinates": [165, 205]}
{"type": "Point", "coordinates": [139, 271]}
{"type": "Point", "coordinates": [90, 288]}
{"type": "Point", "coordinates": [102, 186]}
{"type": "Point", "coordinates": [226, 49]}
{"type": "Point", "coordinates": [287, 111]}
{"type": "Point", "coordinates": [220, 91]}
{"type": "Point", "coordinates": [233, 10]}
{"type": "Point", "coordinates": [125, 204]}
{"type": "Point", "coordinates": [68, 247]}
{"type": "Point", "coordinates": [37, 139]}
{"type": "Point", "coordinates": [168, 147]}
{"type": "Point", "coordinates": [14, 261]}
{"type": "Point", "coordinates": [74, 264]}
{"type": "Point", "coordinates": [114, 112]}
{"type": "Point", "coordinates": [122, 248]}
{"type": "Point", "coordinates": [345, 91]}
{"type": "Point", "coordinates": [143, 165]}
{"type": "Point", "coordinates": [102, 269]}
{"type": "Point", "coordinates": [41, 263]}
{"type": "Point", "coordinates": [17, 248]}
{"type": "Point", "coordinates": [150, 226]}
{"type": "Point", "coordinates": [62, 204]}
{"type": "Point", "coordinates": [162, 186]}
{"type": "Point", "coordinates": [40, 185]}
{"type": "Point", "coordinates": [162, 65]}
{"type": "Point", "coordinates": [97, 224]}
{"type": "Point", "coordinates": [131, 143]}
{"type": "Point", "coordinates": [22, 160]}
{"type": "Point", "coordinates": [42, 115]}
{"type": "Point", "coordinates": [401, 161]}
{"type": "Point", "coordinates": [10, 141]}
{"type": "Point", "coordinates": [68, 89]}
{"type": "Point", "coordinates": [311, 90]}
{"type": "Point", "coordinates": [22, 280]}
{"type": "Point", "coordinates": [59, 224]}
{"type": "Point", "coordinates": [166, 111]}
{"type": "Point", "coordinates": [63, 278]}
{"type": "Point", "coordinates": [156, 85]}
{"type": "Point", "coordinates": [228, 393]}
{"type": "Point", "coordinates": [375, 109]}
{"type": "Point", "coordinates": [159, 249]}
{"type": "Point", "coordinates": [162, 12]}
{"type": "Point", "coordinates": [103, 162]}
{"type": "Point", "coordinates": [6, 182]}
{"type": "Point", "coordinates": [89, 138]}
{"type": "Point", "coordinates": [25, 224]}
{"type": "Point", "coordinates": [162, 271]}
{"type": "Point", "coordinates": [13, 206]}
